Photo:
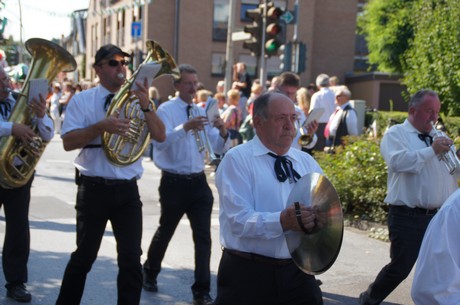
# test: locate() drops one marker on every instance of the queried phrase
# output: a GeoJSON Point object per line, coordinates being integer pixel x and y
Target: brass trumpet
{"type": "Point", "coordinates": [202, 140]}
{"type": "Point", "coordinates": [449, 158]}
{"type": "Point", "coordinates": [304, 138]}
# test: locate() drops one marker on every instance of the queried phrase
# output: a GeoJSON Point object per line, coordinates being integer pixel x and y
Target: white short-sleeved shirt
{"type": "Point", "coordinates": [85, 109]}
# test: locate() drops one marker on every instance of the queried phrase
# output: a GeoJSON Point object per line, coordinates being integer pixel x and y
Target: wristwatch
{"type": "Point", "coordinates": [149, 108]}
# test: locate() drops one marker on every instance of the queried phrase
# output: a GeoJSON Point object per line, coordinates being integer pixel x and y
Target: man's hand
{"type": "Point", "coordinates": [441, 145]}
{"type": "Point", "coordinates": [289, 221]}
{"type": "Point", "coordinates": [312, 127]}
{"type": "Point", "coordinates": [38, 106]}
{"type": "Point", "coordinates": [142, 93]}
{"type": "Point", "coordinates": [23, 132]}
{"type": "Point", "coordinates": [196, 123]}
{"type": "Point", "coordinates": [116, 125]}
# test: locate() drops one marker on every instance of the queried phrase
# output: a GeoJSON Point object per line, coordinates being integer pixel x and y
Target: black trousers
{"type": "Point", "coordinates": [191, 196]}
{"type": "Point", "coordinates": [16, 246]}
{"type": "Point", "coordinates": [245, 282]}
{"type": "Point", "coordinates": [406, 230]}
{"type": "Point", "coordinates": [321, 139]}
{"type": "Point", "coordinates": [96, 204]}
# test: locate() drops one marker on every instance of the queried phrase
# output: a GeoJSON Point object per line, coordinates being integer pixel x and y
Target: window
{"type": "Point", "coordinates": [244, 8]}
{"type": "Point", "coordinates": [220, 20]}
{"type": "Point", "coordinates": [218, 64]}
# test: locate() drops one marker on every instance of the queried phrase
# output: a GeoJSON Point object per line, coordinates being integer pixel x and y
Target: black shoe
{"type": "Point", "coordinates": [19, 293]}
{"type": "Point", "coordinates": [203, 300]}
{"type": "Point", "coordinates": [148, 283]}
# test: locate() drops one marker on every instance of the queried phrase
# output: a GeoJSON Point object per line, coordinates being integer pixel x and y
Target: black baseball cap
{"type": "Point", "coordinates": [108, 51]}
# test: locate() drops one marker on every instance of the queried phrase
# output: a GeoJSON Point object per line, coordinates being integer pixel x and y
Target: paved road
{"type": "Point", "coordinates": [52, 222]}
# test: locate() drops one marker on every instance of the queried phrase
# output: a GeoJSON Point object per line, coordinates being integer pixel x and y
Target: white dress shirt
{"type": "Point", "coordinates": [351, 121]}
{"type": "Point", "coordinates": [416, 177]}
{"type": "Point", "coordinates": [324, 98]}
{"type": "Point", "coordinates": [45, 125]}
{"type": "Point", "coordinates": [301, 119]}
{"type": "Point", "coordinates": [86, 108]}
{"type": "Point", "coordinates": [437, 273]}
{"type": "Point", "coordinates": [179, 153]}
{"type": "Point", "coordinates": [252, 198]}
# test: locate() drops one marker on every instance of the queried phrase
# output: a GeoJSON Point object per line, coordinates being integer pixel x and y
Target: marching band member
{"type": "Point", "coordinates": [16, 201]}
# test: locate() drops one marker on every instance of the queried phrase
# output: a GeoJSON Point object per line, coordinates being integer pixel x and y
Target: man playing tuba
{"type": "Point", "coordinates": [106, 192]}
{"type": "Point", "coordinates": [16, 200]}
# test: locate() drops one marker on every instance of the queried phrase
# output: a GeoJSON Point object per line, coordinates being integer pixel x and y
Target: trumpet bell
{"type": "Point", "coordinates": [316, 252]}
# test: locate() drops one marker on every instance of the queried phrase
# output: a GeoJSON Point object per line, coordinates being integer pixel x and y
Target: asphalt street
{"type": "Point", "coordinates": [52, 223]}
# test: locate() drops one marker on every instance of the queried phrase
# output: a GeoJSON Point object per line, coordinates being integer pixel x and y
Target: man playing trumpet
{"type": "Point", "coordinates": [183, 187]}
{"type": "Point", "coordinates": [418, 184]}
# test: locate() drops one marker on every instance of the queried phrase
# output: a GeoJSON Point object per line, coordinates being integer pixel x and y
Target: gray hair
{"type": "Point", "coordinates": [322, 80]}
{"type": "Point", "coordinates": [262, 102]}
{"type": "Point", "coordinates": [342, 90]}
{"type": "Point", "coordinates": [419, 96]}
{"type": "Point", "coordinates": [185, 68]}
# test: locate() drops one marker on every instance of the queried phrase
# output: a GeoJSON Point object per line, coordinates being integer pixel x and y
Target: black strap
{"type": "Point", "coordinates": [426, 138]}
{"type": "Point", "coordinates": [298, 216]}
{"type": "Point", "coordinates": [108, 100]}
{"type": "Point", "coordinates": [92, 146]}
{"type": "Point", "coordinates": [284, 169]}
{"type": "Point", "coordinates": [189, 107]}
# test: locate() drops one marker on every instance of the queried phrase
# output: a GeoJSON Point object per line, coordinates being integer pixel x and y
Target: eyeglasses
{"type": "Point", "coordinates": [115, 63]}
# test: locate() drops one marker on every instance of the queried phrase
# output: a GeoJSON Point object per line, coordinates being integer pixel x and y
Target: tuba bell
{"type": "Point", "coordinates": [17, 159]}
{"type": "Point", "coordinates": [122, 150]}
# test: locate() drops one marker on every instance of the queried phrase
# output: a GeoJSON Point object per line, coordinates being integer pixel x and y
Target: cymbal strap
{"type": "Point", "coordinates": [298, 215]}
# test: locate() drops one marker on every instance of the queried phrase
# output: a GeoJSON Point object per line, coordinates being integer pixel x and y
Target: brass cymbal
{"type": "Point", "coordinates": [316, 252]}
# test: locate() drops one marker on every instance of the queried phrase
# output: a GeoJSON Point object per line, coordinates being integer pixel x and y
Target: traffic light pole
{"type": "Point", "coordinates": [295, 42]}
{"type": "Point", "coordinates": [229, 51]}
{"type": "Point", "coordinates": [263, 68]}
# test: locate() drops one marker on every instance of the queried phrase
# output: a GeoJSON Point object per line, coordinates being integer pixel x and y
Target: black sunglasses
{"type": "Point", "coordinates": [115, 63]}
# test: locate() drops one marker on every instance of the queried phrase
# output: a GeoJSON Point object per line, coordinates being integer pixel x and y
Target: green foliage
{"type": "Point", "coordinates": [387, 28]}
{"type": "Point", "coordinates": [433, 60]}
{"type": "Point", "coordinates": [359, 175]}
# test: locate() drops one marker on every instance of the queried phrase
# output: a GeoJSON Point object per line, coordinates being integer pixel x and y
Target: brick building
{"type": "Point", "coordinates": [195, 32]}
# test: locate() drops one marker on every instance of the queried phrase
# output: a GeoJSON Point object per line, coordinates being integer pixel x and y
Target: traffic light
{"type": "Point", "coordinates": [275, 32]}
{"type": "Point", "coordinates": [286, 57]}
{"type": "Point", "coordinates": [254, 43]}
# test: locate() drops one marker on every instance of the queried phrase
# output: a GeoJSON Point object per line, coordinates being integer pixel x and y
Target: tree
{"type": "Point", "coordinates": [433, 58]}
{"type": "Point", "coordinates": [386, 24]}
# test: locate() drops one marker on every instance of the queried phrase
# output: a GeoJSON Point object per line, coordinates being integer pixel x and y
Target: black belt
{"type": "Point", "coordinates": [187, 177]}
{"type": "Point", "coordinates": [100, 180]}
{"type": "Point", "coordinates": [418, 211]}
{"type": "Point", "coordinates": [257, 258]}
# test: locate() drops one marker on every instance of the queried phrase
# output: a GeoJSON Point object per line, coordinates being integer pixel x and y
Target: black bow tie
{"type": "Point", "coordinates": [108, 100]}
{"type": "Point", "coordinates": [284, 169]}
{"type": "Point", "coordinates": [426, 138]}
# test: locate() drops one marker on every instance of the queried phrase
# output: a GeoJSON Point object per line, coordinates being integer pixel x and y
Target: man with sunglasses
{"type": "Point", "coordinates": [105, 192]}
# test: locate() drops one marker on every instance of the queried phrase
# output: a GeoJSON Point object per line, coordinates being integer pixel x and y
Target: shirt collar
{"type": "Point", "coordinates": [259, 149]}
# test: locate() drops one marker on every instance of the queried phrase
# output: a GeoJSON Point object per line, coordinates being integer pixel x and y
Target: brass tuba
{"type": "Point", "coordinates": [17, 159]}
{"type": "Point", "coordinates": [126, 149]}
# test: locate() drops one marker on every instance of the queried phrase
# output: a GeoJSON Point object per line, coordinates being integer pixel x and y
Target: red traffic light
{"type": "Point", "coordinates": [274, 13]}
{"type": "Point", "coordinates": [273, 29]}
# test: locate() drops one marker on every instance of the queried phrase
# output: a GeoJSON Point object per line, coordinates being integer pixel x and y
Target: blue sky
{"type": "Point", "coordinates": [43, 18]}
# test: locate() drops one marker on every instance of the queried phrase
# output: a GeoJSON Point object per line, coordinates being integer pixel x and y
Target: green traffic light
{"type": "Point", "coordinates": [272, 46]}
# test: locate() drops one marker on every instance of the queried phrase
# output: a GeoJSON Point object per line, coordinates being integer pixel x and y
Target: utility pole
{"type": "Point", "coordinates": [20, 51]}
{"type": "Point", "coordinates": [263, 66]}
{"type": "Point", "coordinates": [229, 51]}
